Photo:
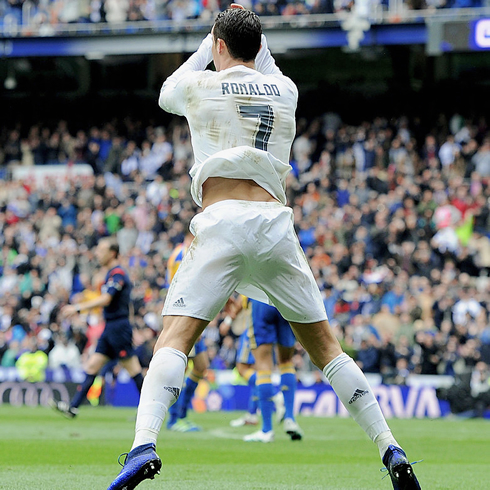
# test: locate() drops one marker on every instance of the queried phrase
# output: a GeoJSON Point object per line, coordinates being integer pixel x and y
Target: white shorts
{"type": "Point", "coordinates": [248, 247]}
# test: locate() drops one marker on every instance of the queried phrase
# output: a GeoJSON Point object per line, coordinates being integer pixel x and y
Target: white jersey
{"type": "Point", "coordinates": [242, 121]}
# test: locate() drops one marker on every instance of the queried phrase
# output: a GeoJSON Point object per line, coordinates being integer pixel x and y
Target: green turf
{"type": "Point", "coordinates": [42, 450]}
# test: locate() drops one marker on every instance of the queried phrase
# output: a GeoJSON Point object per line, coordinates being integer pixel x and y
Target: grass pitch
{"type": "Point", "coordinates": [40, 449]}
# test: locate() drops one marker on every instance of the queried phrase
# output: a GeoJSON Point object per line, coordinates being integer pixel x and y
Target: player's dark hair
{"type": "Point", "coordinates": [241, 30]}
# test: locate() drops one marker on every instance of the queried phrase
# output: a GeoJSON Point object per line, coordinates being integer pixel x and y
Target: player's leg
{"type": "Point", "coordinates": [303, 307]}
{"type": "Point", "coordinates": [178, 412]}
{"type": "Point", "coordinates": [173, 414]}
{"type": "Point", "coordinates": [344, 375]}
{"type": "Point", "coordinates": [165, 375]}
{"type": "Point", "coordinates": [263, 336]}
{"type": "Point", "coordinates": [199, 290]}
{"type": "Point", "coordinates": [288, 388]}
{"type": "Point", "coordinates": [133, 367]}
{"type": "Point", "coordinates": [288, 378]}
{"type": "Point", "coordinates": [253, 403]}
{"type": "Point", "coordinates": [174, 410]}
{"type": "Point", "coordinates": [201, 364]}
{"type": "Point", "coordinates": [202, 285]}
{"type": "Point", "coordinates": [264, 365]}
{"type": "Point", "coordinates": [161, 388]}
{"type": "Point", "coordinates": [248, 373]}
{"type": "Point", "coordinates": [119, 337]}
{"type": "Point", "coordinates": [353, 390]}
{"type": "Point", "coordinates": [245, 365]}
{"type": "Point", "coordinates": [285, 350]}
{"type": "Point", "coordinates": [94, 364]}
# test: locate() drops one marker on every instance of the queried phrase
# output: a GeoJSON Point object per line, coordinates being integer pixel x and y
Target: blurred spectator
{"type": "Point", "coordinates": [146, 337]}
{"type": "Point", "coordinates": [116, 11]}
{"type": "Point", "coordinates": [394, 298]}
{"type": "Point", "coordinates": [32, 364]}
{"type": "Point", "coordinates": [227, 352]}
{"type": "Point", "coordinates": [3, 345]}
{"type": "Point", "coordinates": [64, 353]}
{"type": "Point", "coordinates": [469, 396]}
{"type": "Point", "coordinates": [448, 152]}
{"type": "Point", "coordinates": [429, 353]}
{"type": "Point", "coordinates": [467, 307]}
{"type": "Point", "coordinates": [480, 388]}
{"type": "Point", "coordinates": [12, 149]}
{"type": "Point", "coordinates": [368, 356]}
{"type": "Point", "coordinates": [481, 159]}
{"type": "Point", "coordinates": [405, 289]}
{"type": "Point", "coordinates": [127, 235]}
{"type": "Point", "coordinates": [46, 18]}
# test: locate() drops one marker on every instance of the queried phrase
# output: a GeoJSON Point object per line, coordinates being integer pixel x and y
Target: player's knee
{"type": "Point", "coordinates": [242, 369]}
{"type": "Point", "coordinates": [132, 366]}
{"type": "Point", "coordinates": [285, 354]}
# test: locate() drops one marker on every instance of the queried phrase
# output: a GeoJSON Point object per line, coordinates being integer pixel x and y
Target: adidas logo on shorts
{"type": "Point", "coordinates": [180, 303]}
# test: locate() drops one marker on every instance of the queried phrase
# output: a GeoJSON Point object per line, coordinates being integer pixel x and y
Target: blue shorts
{"type": "Point", "coordinates": [244, 352]}
{"type": "Point", "coordinates": [269, 327]}
{"type": "Point", "coordinates": [116, 341]}
{"type": "Point", "coordinates": [199, 346]}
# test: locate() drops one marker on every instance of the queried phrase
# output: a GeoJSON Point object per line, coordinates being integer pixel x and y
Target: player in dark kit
{"type": "Point", "coordinates": [116, 342]}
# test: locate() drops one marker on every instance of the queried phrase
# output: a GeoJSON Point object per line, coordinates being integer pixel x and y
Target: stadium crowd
{"type": "Point", "coordinates": [394, 220]}
{"type": "Point", "coordinates": [47, 14]}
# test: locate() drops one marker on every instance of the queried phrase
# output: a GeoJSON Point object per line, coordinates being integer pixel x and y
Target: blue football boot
{"type": "Point", "coordinates": [400, 470]}
{"type": "Point", "coordinates": [141, 463]}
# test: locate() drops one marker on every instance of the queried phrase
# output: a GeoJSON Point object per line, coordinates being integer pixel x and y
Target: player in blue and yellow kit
{"type": "Point", "coordinates": [269, 329]}
{"type": "Point", "coordinates": [116, 341]}
{"type": "Point", "coordinates": [245, 363]}
{"type": "Point", "coordinates": [264, 326]}
{"type": "Point", "coordinates": [178, 411]}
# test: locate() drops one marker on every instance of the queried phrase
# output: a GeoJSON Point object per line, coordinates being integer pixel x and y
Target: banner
{"type": "Point", "coordinates": [18, 393]}
{"type": "Point", "coordinates": [45, 175]}
{"type": "Point", "coordinates": [60, 384]}
{"type": "Point", "coordinates": [318, 400]}
{"type": "Point", "coordinates": [216, 393]}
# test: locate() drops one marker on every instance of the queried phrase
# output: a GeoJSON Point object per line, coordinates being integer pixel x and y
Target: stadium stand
{"type": "Point", "coordinates": [395, 226]}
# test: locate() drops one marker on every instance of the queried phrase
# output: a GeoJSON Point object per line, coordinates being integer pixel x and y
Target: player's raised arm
{"type": "Point", "coordinates": [171, 100]}
{"type": "Point", "coordinates": [264, 62]}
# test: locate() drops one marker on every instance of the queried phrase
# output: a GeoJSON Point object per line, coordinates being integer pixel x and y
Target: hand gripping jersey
{"type": "Point", "coordinates": [242, 121]}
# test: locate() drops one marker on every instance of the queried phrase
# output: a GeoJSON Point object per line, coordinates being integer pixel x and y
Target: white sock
{"type": "Point", "coordinates": [161, 388]}
{"type": "Point", "coordinates": [354, 392]}
{"type": "Point", "coordinates": [384, 440]}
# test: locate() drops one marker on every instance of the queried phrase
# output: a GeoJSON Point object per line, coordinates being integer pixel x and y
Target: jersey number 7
{"type": "Point", "coordinates": [265, 116]}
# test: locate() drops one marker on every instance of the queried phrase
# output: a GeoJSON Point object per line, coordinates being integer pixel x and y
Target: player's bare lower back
{"type": "Point", "coordinates": [217, 189]}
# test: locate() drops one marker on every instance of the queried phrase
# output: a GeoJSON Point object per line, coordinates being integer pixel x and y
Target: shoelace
{"type": "Point", "coordinates": [386, 469]}
{"type": "Point", "coordinates": [119, 458]}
